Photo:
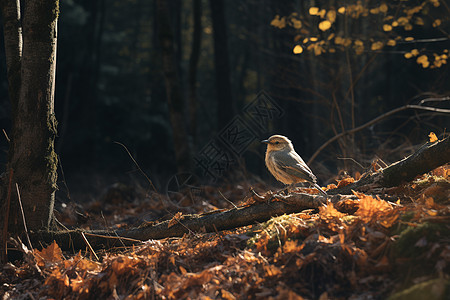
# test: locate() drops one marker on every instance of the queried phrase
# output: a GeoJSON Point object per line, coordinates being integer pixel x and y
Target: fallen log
{"type": "Point", "coordinates": [427, 158]}
{"type": "Point", "coordinates": [265, 208]}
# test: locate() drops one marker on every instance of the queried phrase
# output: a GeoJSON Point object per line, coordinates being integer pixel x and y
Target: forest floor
{"type": "Point", "coordinates": [395, 244]}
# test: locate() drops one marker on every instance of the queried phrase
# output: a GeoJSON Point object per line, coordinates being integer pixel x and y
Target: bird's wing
{"type": "Point", "coordinates": [294, 165]}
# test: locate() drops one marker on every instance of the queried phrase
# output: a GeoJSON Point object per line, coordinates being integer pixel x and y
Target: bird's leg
{"type": "Point", "coordinates": [288, 188]}
{"type": "Point", "coordinates": [322, 192]}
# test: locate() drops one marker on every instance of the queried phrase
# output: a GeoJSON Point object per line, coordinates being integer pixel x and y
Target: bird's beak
{"type": "Point", "coordinates": [265, 142]}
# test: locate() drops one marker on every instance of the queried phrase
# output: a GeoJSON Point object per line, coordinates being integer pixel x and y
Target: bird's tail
{"type": "Point", "coordinates": [322, 192]}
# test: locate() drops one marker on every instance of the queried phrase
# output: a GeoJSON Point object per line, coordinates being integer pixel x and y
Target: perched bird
{"type": "Point", "coordinates": [286, 165]}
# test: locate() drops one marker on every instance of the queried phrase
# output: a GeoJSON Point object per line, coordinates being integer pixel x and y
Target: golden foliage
{"type": "Point", "coordinates": [391, 20]}
{"type": "Point", "coordinates": [325, 25]}
{"type": "Point", "coordinates": [278, 22]}
{"type": "Point", "coordinates": [297, 49]}
{"type": "Point", "coordinates": [433, 137]}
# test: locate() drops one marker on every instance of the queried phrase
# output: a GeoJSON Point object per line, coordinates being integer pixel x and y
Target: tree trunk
{"type": "Point", "coordinates": [193, 63]}
{"type": "Point", "coordinates": [31, 76]}
{"type": "Point", "coordinates": [173, 88]}
{"type": "Point", "coordinates": [225, 107]}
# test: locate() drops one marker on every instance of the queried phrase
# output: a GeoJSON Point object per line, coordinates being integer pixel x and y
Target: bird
{"type": "Point", "coordinates": [286, 165]}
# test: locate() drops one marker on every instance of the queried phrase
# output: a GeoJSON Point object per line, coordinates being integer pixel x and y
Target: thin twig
{"type": "Point", "coordinates": [64, 178]}
{"type": "Point", "coordinates": [89, 246]}
{"type": "Point", "coordinates": [148, 179]}
{"type": "Point", "coordinates": [353, 160]}
{"type": "Point", "coordinates": [112, 237]}
{"type": "Point", "coordinates": [136, 164]}
{"type": "Point", "coordinates": [351, 89]}
{"type": "Point", "coordinates": [227, 199]}
{"type": "Point", "coordinates": [6, 135]}
{"type": "Point", "coordinates": [434, 99]}
{"type": "Point", "coordinates": [23, 216]}
{"type": "Point", "coordinates": [373, 121]}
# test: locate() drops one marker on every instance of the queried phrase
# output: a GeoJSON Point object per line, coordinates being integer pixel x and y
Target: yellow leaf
{"type": "Point", "coordinates": [331, 16]}
{"type": "Point", "coordinates": [313, 11]}
{"type": "Point", "coordinates": [409, 39]}
{"type": "Point", "coordinates": [433, 138]}
{"type": "Point", "coordinates": [341, 10]}
{"type": "Point", "coordinates": [408, 27]}
{"type": "Point", "coordinates": [394, 24]}
{"type": "Point", "coordinates": [297, 24]}
{"type": "Point", "coordinates": [408, 55]}
{"type": "Point", "coordinates": [338, 40]}
{"type": "Point", "coordinates": [402, 21]}
{"type": "Point", "coordinates": [305, 40]}
{"type": "Point", "coordinates": [374, 11]}
{"type": "Point", "coordinates": [359, 43]}
{"type": "Point", "coordinates": [413, 10]}
{"type": "Point", "coordinates": [332, 50]}
{"type": "Point", "coordinates": [387, 27]}
{"type": "Point", "coordinates": [331, 36]}
{"type": "Point", "coordinates": [347, 42]}
{"type": "Point", "coordinates": [325, 25]}
{"type": "Point", "coordinates": [423, 60]}
{"type": "Point", "coordinates": [318, 49]}
{"type": "Point", "coordinates": [313, 39]}
{"type": "Point", "coordinates": [321, 13]}
{"type": "Point", "coordinates": [279, 23]}
{"type": "Point", "coordinates": [437, 23]}
{"type": "Point", "coordinates": [297, 38]}
{"type": "Point", "coordinates": [391, 43]}
{"type": "Point", "coordinates": [415, 52]}
{"type": "Point", "coordinates": [383, 8]}
{"type": "Point", "coordinates": [297, 49]}
{"type": "Point", "coordinates": [376, 46]}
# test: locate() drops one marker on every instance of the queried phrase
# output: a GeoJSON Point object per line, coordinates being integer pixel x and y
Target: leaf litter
{"type": "Point", "coordinates": [363, 248]}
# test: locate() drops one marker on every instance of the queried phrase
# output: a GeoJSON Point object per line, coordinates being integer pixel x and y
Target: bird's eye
{"type": "Point", "coordinates": [277, 143]}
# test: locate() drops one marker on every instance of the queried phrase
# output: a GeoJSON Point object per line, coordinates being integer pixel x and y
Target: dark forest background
{"type": "Point", "coordinates": [111, 87]}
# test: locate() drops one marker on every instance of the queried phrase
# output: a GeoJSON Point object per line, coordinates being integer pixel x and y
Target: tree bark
{"type": "Point", "coordinates": [173, 88]}
{"type": "Point", "coordinates": [193, 63]}
{"type": "Point", "coordinates": [31, 76]}
{"type": "Point", "coordinates": [225, 101]}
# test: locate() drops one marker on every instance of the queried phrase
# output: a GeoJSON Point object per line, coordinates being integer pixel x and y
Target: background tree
{"type": "Point", "coordinates": [225, 101]}
{"type": "Point", "coordinates": [30, 46]}
{"type": "Point", "coordinates": [174, 93]}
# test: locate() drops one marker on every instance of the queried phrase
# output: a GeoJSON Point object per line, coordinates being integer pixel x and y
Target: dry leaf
{"type": "Point", "coordinates": [175, 219]}
{"type": "Point", "coordinates": [50, 255]}
{"type": "Point", "coordinates": [345, 181]}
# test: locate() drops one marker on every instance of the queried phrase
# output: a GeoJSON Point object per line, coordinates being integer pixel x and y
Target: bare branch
{"type": "Point", "coordinates": [373, 121]}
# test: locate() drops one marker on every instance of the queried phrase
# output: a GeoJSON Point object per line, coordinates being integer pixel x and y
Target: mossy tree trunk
{"type": "Point", "coordinates": [30, 41]}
